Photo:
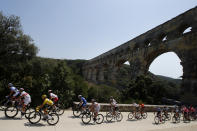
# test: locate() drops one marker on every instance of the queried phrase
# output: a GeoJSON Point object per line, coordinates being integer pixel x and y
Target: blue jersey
{"type": "Point", "coordinates": [158, 109]}
{"type": "Point", "coordinates": [15, 90]}
{"type": "Point", "coordinates": [84, 100]}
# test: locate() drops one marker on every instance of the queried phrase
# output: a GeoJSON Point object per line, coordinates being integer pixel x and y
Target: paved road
{"type": "Point", "coordinates": [69, 123]}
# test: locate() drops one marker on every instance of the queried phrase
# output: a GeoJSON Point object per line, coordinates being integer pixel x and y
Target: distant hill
{"type": "Point", "coordinates": [169, 79]}
{"type": "Point", "coordinates": [165, 78]}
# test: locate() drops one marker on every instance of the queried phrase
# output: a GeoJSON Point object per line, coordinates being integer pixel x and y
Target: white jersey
{"type": "Point", "coordinates": [25, 95]}
{"type": "Point", "coordinates": [114, 103]}
{"type": "Point", "coordinates": [53, 95]}
{"type": "Point", "coordinates": [27, 98]}
{"type": "Point", "coordinates": [136, 105]}
{"type": "Point", "coordinates": [96, 106]}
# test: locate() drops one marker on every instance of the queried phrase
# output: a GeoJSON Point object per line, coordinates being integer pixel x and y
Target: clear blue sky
{"type": "Point", "coordinates": [83, 29]}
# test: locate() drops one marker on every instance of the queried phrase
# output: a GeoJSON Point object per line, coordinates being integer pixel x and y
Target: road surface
{"type": "Point", "coordinates": [69, 123]}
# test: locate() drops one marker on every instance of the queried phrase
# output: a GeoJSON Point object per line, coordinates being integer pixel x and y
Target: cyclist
{"type": "Point", "coordinates": [185, 112]}
{"type": "Point", "coordinates": [53, 97]}
{"type": "Point", "coordinates": [82, 103]}
{"type": "Point", "coordinates": [136, 107]}
{"type": "Point", "coordinates": [14, 92]}
{"type": "Point", "coordinates": [25, 99]}
{"type": "Point", "coordinates": [113, 105]}
{"type": "Point", "coordinates": [141, 106]}
{"type": "Point", "coordinates": [158, 110]}
{"type": "Point", "coordinates": [47, 104]}
{"type": "Point", "coordinates": [192, 111]}
{"type": "Point", "coordinates": [176, 111]}
{"type": "Point", "coordinates": [165, 111]}
{"type": "Point", "coordinates": [95, 108]}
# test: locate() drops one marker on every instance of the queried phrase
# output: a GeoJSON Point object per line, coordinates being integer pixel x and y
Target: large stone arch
{"type": "Point", "coordinates": [142, 50]}
{"type": "Point", "coordinates": [153, 55]}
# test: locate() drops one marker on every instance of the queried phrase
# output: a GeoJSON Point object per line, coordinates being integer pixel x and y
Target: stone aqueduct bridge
{"type": "Point", "coordinates": [142, 50]}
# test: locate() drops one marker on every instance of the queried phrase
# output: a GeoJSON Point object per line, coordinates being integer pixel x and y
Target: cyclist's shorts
{"type": "Point", "coordinates": [27, 101]}
{"type": "Point", "coordinates": [48, 107]}
{"type": "Point", "coordinates": [116, 108]}
{"type": "Point", "coordinates": [55, 100]}
{"type": "Point", "coordinates": [84, 104]}
{"type": "Point", "coordinates": [97, 109]}
{"type": "Point", "coordinates": [158, 113]}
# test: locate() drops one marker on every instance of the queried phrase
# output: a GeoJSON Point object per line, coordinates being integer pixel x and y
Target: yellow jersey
{"type": "Point", "coordinates": [48, 102]}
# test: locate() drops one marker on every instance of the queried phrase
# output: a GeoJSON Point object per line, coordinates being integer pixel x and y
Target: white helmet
{"type": "Point", "coordinates": [21, 89]}
{"type": "Point", "coordinates": [79, 96]}
{"type": "Point", "coordinates": [10, 85]}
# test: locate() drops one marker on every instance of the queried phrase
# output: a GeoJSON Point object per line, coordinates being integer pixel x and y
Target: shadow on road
{"type": "Point", "coordinates": [109, 122]}
{"type": "Point", "coordinates": [132, 120]}
{"type": "Point", "coordinates": [94, 123]}
{"type": "Point", "coordinates": [34, 125]}
{"type": "Point", "coordinates": [6, 118]}
{"type": "Point", "coordinates": [89, 124]}
{"type": "Point", "coordinates": [73, 117]}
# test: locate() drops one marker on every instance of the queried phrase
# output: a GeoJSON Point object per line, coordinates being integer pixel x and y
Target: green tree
{"type": "Point", "coordinates": [14, 45]}
{"type": "Point", "coordinates": [62, 82]}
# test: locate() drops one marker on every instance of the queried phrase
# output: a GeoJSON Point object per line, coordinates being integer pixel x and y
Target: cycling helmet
{"type": "Point", "coordinates": [93, 100]}
{"type": "Point", "coordinates": [44, 96]}
{"type": "Point", "coordinates": [21, 89]}
{"type": "Point", "coordinates": [79, 96]}
{"type": "Point", "coordinates": [10, 85]}
{"type": "Point", "coordinates": [49, 91]}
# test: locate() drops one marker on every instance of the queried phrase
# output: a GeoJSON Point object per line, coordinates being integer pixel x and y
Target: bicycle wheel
{"type": "Point", "coordinates": [28, 111]}
{"type": "Point", "coordinates": [174, 119]}
{"type": "Point", "coordinates": [130, 116]}
{"type": "Point", "coordinates": [2, 108]}
{"type": "Point", "coordinates": [53, 119]}
{"type": "Point", "coordinates": [163, 119]}
{"type": "Point", "coordinates": [34, 117]}
{"type": "Point", "coordinates": [144, 115]}
{"type": "Point", "coordinates": [59, 110]}
{"type": "Point", "coordinates": [99, 119]}
{"type": "Point", "coordinates": [11, 112]}
{"type": "Point", "coordinates": [138, 115]}
{"type": "Point", "coordinates": [76, 112]}
{"type": "Point", "coordinates": [156, 119]}
{"type": "Point", "coordinates": [3, 105]}
{"type": "Point", "coordinates": [86, 118]}
{"type": "Point", "coordinates": [109, 117]}
{"type": "Point", "coordinates": [119, 117]}
{"type": "Point", "coordinates": [168, 117]}
{"type": "Point", "coordinates": [178, 119]}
